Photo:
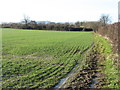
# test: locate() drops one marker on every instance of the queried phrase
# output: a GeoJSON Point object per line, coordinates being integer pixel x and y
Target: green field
{"type": "Point", "coordinates": [39, 59]}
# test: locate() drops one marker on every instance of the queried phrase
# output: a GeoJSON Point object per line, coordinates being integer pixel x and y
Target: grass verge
{"type": "Point", "coordinates": [110, 59]}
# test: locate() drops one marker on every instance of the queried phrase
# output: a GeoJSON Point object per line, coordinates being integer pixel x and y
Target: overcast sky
{"type": "Point", "coordinates": [57, 10]}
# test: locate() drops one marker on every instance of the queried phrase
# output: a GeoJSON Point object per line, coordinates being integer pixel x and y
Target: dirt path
{"type": "Point", "coordinates": [82, 74]}
{"type": "Point", "coordinates": [88, 77]}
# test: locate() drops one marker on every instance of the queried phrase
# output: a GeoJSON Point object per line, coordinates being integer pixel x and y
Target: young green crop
{"type": "Point", "coordinates": [39, 59]}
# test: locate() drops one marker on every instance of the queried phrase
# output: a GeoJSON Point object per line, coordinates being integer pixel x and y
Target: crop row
{"type": "Point", "coordinates": [44, 61]}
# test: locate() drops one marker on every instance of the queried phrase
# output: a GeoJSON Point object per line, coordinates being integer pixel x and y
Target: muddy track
{"type": "Point", "coordinates": [64, 80]}
{"type": "Point", "coordinates": [90, 76]}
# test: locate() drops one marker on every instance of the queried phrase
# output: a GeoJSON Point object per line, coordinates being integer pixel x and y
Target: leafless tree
{"type": "Point", "coordinates": [105, 19]}
{"type": "Point", "coordinates": [26, 20]}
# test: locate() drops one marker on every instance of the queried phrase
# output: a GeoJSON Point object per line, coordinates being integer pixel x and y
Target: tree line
{"type": "Point", "coordinates": [47, 26]}
{"type": "Point", "coordinates": [26, 23]}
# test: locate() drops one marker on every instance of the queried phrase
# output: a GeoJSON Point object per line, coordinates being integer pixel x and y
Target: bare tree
{"type": "Point", "coordinates": [26, 21]}
{"type": "Point", "coordinates": [105, 19]}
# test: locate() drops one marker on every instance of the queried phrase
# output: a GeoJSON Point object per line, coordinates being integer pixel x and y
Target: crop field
{"type": "Point", "coordinates": [38, 58]}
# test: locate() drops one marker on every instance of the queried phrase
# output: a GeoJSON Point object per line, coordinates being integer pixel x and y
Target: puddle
{"type": "Point", "coordinates": [93, 82]}
{"type": "Point", "coordinates": [60, 83]}
{"type": "Point", "coordinates": [63, 80]}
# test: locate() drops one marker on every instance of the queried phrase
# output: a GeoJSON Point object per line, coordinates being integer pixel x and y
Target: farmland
{"type": "Point", "coordinates": [39, 59]}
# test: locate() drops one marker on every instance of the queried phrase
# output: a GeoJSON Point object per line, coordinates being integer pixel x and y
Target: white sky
{"type": "Point", "coordinates": [57, 10]}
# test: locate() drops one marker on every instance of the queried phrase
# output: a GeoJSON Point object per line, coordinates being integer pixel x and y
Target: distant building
{"type": "Point", "coordinates": [119, 11]}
